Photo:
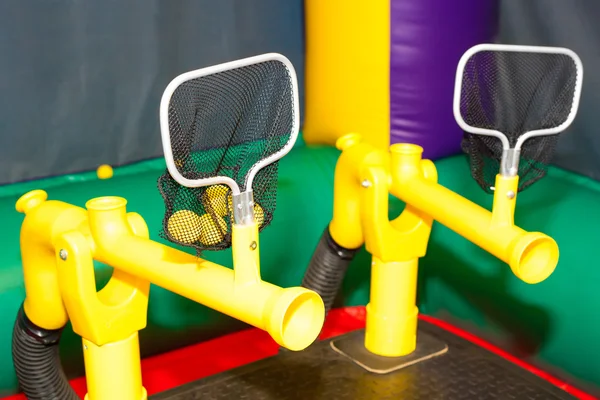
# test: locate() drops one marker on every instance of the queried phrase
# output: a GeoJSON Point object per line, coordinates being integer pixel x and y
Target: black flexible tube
{"type": "Point", "coordinates": [37, 361]}
{"type": "Point", "coordinates": [327, 269]}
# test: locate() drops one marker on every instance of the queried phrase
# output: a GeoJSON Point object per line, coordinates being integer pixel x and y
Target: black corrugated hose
{"type": "Point", "coordinates": [327, 269]}
{"type": "Point", "coordinates": [36, 358]}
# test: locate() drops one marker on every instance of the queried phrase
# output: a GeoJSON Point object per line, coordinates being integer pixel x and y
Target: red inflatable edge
{"type": "Point", "coordinates": [169, 370]}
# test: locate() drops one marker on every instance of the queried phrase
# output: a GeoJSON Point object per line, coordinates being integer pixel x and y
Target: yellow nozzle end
{"type": "Point", "coordinates": [106, 203]}
{"type": "Point", "coordinates": [347, 141]}
{"type": "Point", "coordinates": [297, 318]}
{"type": "Point", "coordinates": [31, 200]}
{"type": "Point", "coordinates": [534, 257]}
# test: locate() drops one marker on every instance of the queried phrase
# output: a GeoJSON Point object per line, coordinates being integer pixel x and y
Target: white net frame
{"type": "Point", "coordinates": [510, 156]}
{"type": "Point", "coordinates": [192, 75]}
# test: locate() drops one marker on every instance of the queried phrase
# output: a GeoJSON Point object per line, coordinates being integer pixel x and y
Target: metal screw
{"type": "Point", "coordinates": [253, 245]}
{"type": "Point", "coordinates": [510, 194]}
{"type": "Point", "coordinates": [366, 183]}
{"type": "Point", "coordinates": [63, 254]}
{"type": "Point", "coordinates": [85, 346]}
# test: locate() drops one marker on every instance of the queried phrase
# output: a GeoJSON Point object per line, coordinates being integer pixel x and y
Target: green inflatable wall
{"type": "Point", "coordinates": [551, 323]}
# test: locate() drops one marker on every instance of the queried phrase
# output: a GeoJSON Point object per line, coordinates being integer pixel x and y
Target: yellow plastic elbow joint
{"type": "Point", "coordinates": [44, 222]}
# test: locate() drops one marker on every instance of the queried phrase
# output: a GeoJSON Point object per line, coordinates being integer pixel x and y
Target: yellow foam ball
{"type": "Point", "coordinates": [216, 196]}
{"type": "Point", "coordinates": [104, 171]}
{"type": "Point", "coordinates": [230, 203]}
{"type": "Point", "coordinates": [259, 214]}
{"type": "Point", "coordinates": [213, 229]}
{"type": "Point", "coordinates": [185, 226]}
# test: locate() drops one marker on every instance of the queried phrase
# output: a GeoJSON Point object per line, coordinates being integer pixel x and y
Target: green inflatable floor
{"type": "Point", "coordinates": [551, 323]}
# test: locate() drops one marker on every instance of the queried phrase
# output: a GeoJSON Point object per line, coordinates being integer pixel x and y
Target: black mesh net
{"type": "Point", "coordinates": [222, 125]}
{"type": "Point", "coordinates": [514, 93]}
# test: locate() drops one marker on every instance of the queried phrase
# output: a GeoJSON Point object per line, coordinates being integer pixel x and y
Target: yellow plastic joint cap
{"type": "Point", "coordinates": [31, 200]}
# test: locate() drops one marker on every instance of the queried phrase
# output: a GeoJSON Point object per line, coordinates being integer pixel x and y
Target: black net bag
{"type": "Point", "coordinates": [224, 128]}
{"type": "Point", "coordinates": [512, 102]}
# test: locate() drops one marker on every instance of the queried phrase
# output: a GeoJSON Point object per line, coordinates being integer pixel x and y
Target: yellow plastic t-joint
{"type": "Point", "coordinates": [112, 314]}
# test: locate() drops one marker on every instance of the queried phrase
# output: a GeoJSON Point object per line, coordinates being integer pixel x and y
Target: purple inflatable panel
{"type": "Point", "coordinates": [428, 37]}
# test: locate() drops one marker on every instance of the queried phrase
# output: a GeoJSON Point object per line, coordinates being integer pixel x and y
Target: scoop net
{"type": "Point", "coordinates": [224, 128]}
{"type": "Point", "coordinates": [512, 102]}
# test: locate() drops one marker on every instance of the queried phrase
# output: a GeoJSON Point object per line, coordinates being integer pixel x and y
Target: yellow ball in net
{"type": "Point", "coordinates": [185, 226]}
{"type": "Point", "coordinates": [230, 203]}
{"type": "Point", "coordinates": [259, 214]}
{"type": "Point", "coordinates": [217, 200]}
{"type": "Point", "coordinates": [213, 229]}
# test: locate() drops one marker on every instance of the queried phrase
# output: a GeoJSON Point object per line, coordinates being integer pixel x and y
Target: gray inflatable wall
{"type": "Point", "coordinates": [573, 24]}
{"type": "Point", "coordinates": [81, 81]}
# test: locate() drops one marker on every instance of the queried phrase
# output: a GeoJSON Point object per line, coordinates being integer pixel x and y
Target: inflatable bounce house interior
{"type": "Point", "coordinates": [423, 177]}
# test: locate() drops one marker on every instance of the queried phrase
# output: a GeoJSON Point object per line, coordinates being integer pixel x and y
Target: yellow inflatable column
{"type": "Point", "coordinates": [347, 71]}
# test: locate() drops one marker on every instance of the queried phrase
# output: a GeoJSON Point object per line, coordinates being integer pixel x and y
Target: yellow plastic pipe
{"type": "Point", "coordinates": [114, 371]}
{"type": "Point", "coordinates": [532, 256]}
{"type": "Point", "coordinates": [364, 177]}
{"type": "Point", "coordinates": [43, 302]}
{"type": "Point", "coordinates": [391, 329]}
{"type": "Point", "coordinates": [293, 316]}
